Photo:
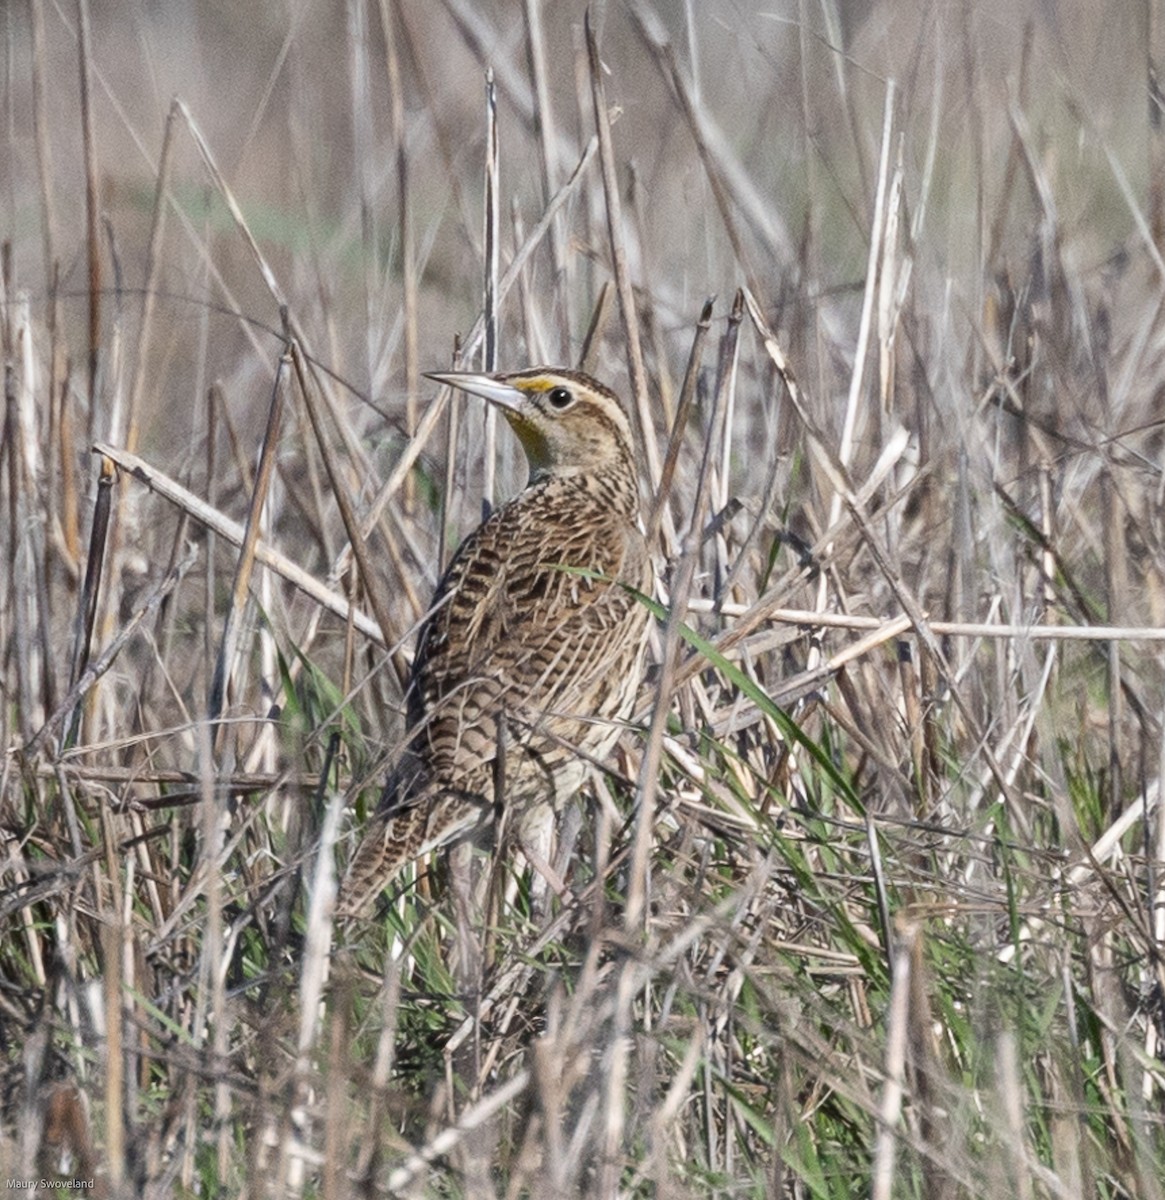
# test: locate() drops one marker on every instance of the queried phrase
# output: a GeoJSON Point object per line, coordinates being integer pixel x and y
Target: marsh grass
{"type": "Point", "coordinates": [869, 900]}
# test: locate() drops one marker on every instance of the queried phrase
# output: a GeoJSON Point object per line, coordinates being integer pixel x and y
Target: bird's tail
{"type": "Point", "coordinates": [399, 834]}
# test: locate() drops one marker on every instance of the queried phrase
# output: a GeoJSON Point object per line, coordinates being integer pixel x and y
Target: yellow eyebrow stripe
{"type": "Point", "coordinates": [540, 383]}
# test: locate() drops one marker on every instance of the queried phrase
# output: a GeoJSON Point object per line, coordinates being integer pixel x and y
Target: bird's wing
{"type": "Point", "coordinates": [523, 629]}
{"type": "Point", "coordinates": [529, 612]}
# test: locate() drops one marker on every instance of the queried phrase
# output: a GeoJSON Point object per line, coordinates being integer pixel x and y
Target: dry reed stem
{"type": "Point", "coordinates": [369, 576]}
{"type": "Point", "coordinates": [92, 210]}
{"type": "Point", "coordinates": [90, 589]}
{"type": "Point", "coordinates": [150, 292]}
{"type": "Point", "coordinates": [660, 501]}
{"type": "Point", "coordinates": [546, 126]}
{"type": "Point", "coordinates": [849, 424]}
{"type": "Point", "coordinates": [357, 37]}
{"type": "Point", "coordinates": [629, 316]}
{"type": "Point", "coordinates": [40, 128]}
{"type": "Point", "coordinates": [491, 216]}
{"type": "Point", "coordinates": [408, 249]}
{"type": "Point", "coordinates": [244, 566]}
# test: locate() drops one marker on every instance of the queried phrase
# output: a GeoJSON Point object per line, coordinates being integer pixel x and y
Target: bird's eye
{"type": "Point", "coordinates": [560, 398]}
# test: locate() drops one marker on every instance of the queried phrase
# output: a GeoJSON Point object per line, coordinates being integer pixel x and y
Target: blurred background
{"type": "Point", "coordinates": [297, 105]}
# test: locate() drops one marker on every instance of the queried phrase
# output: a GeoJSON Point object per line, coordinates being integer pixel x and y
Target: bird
{"type": "Point", "coordinates": [529, 659]}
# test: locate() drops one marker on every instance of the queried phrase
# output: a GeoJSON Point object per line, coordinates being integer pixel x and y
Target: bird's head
{"type": "Point", "coordinates": [567, 422]}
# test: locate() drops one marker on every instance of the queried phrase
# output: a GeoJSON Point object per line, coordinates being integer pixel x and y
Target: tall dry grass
{"type": "Point", "coordinates": [870, 900]}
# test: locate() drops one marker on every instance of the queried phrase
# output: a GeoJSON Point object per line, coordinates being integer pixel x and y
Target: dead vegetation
{"type": "Point", "coordinates": [870, 899]}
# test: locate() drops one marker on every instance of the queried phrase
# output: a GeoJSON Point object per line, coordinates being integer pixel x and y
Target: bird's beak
{"type": "Point", "coordinates": [488, 387]}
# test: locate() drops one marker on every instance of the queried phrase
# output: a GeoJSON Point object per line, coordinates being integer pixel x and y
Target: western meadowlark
{"type": "Point", "coordinates": [531, 653]}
